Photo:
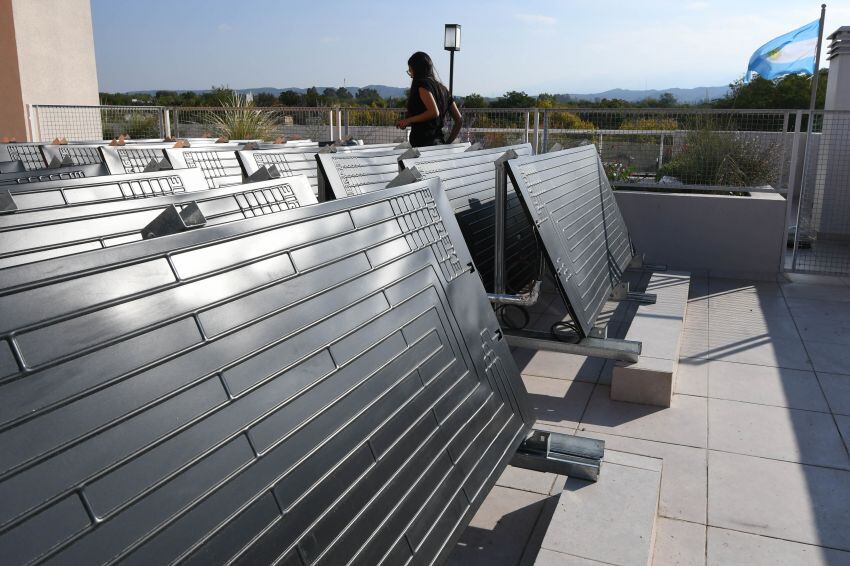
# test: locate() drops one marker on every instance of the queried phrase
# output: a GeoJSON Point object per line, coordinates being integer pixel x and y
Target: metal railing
{"type": "Point", "coordinates": [649, 149]}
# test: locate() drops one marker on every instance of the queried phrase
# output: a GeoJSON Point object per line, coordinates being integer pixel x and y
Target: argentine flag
{"type": "Point", "coordinates": [791, 53]}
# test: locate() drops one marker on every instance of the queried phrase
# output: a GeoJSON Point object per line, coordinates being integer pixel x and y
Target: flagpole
{"type": "Point", "coordinates": [810, 123]}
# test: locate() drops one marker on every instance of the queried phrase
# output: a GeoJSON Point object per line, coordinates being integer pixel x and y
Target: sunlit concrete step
{"type": "Point", "coordinates": [611, 521]}
{"type": "Point", "coordinates": [659, 328]}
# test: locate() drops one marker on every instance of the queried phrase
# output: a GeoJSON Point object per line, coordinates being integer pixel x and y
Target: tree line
{"type": "Point", "coordinates": [789, 92]}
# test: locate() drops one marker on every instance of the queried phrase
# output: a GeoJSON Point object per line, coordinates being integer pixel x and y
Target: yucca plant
{"type": "Point", "coordinates": [240, 119]}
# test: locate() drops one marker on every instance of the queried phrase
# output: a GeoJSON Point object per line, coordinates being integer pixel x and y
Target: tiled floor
{"type": "Point", "coordinates": [754, 447]}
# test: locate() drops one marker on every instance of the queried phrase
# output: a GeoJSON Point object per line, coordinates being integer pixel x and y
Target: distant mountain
{"type": "Point", "coordinates": [383, 90]}
{"type": "Point", "coordinates": [690, 95]}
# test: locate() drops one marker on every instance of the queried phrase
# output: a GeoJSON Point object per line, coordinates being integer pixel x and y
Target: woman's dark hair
{"type": "Point", "coordinates": [423, 69]}
{"type": "Point", "coordinates": [422, 66]}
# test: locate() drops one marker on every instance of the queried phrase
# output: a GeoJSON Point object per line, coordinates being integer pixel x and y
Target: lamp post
{"type": "Point", "coordinates": [451, 43]}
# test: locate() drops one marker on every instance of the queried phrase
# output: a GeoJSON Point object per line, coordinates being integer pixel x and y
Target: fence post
{"type": "Point", "coordinates": [331, 122]}
{"type": "Point", "coordinates": [545, 130]}
{"type": "Point", "coordinates": [346, 122]}
{"type": "Point", "coordinates": [339, 123]}
{"type": "Point", "coordinates": [166, 117]}
{"type": "Point", "coordinates": [527, 123]}
{"type": "Point", "coordinates": [792, 190]}
{"type": "Point", "coordinates": [537, 131]}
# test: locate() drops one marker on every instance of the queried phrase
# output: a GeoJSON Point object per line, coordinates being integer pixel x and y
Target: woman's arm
{"type": "Point", "coordinates": [430, 113]}
{"type": "Point", "coordinates": [457, 119]}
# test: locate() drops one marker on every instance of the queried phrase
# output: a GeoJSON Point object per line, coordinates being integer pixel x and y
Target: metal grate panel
{"type": "Point", "coordinates": [27, 153]}
{"type": "Point", "coordinates": [324, 384]}
{"type": "Point", "coordinates": [37, 235]}
{"type": "Point", "coordinates": [82, 190]}
{"type": "Point", "coordinates": [352, 173]}
{"type": "Point", "coordinates": [294, 161]}
{"type": "Point", "coordinates": [469, 180]}
{"type": "Point", "coordinates": [584, 235]}
{"type": "Point", "coordinates": [130, 159]}
{"type": "Point", "coordinates": [220, 167]}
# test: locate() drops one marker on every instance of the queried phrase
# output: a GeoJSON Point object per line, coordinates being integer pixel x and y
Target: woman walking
{"type": "Point", "coordinates": [428, 104]}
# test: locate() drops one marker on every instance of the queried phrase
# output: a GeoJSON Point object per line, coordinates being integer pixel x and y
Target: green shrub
{"type": "Point", "coordinates": [710, 157]}
{"type": "Point", "coordinates": [242, 120]}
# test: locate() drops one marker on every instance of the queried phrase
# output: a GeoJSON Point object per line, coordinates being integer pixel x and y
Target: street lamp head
{"type": "Point", "coordinates": [452, 38]}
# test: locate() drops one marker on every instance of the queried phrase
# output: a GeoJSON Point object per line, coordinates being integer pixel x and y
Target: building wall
{"type": "Point", "coordinates": [52, 45]}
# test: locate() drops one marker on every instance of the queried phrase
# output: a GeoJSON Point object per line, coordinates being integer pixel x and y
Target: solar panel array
{"type": "Point", "coordinates": [314, 386]}
{"type": "Point", "coordinates": [27, 153]}
{"type": "Point", "coordinates": [469, 180]}
{"type": "Point", "coordinates": [33, 236]}
{"type": "Point", "coordinates": [584, 236]}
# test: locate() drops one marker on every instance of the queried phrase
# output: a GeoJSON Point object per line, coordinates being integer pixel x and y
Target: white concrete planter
{"type": "Point", "coordinates": [720, 235]}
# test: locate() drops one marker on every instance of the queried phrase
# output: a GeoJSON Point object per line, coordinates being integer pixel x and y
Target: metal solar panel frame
{"type": "Point", "coordinates": [77, 154]}
{"type": "Point", "coordinates": [86, 190]}
{"type": "Point", "coordinates": [343, 174]}
{"type": "Point", "coordinates": [220, 166]}
{"type": "Point", "coordinates": [28, 153]}
{"type": "Point", "coordinates": [471, 182]}
{"type": "Point", "coordinates": [584, 236]}
{"type": "Point", "coordinates": [187, 388]}
{"type": "Point", "coordinates": [37, 235]}
{"type": "Point", "coordinates": [288, 161]}
{"type": "Point", "coordinates": [53, 174]}
{"type": "Point", "coordinates": [133, 159]}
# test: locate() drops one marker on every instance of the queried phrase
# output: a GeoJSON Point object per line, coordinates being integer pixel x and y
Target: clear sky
{"type": "Point", "coordinates": [553, 46]}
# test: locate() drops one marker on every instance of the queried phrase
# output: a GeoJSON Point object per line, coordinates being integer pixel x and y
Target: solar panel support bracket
{"type": "Point", "coordinates": [565, 454]}
{"type": "Point", "coordinates": [7, 203]}
{"type": "Point", "coordinates": [620, 292]}
{"type": "Point", "coordinates": [608, 348]}
{"type": "Point", "coordinates": [500, 204]}
{"type": "Point", "coordinates": [521, 299]}
{"type": "Point", "coordinates": [638, 262]}
{"type": "Point", "coordinates": [172, 221]}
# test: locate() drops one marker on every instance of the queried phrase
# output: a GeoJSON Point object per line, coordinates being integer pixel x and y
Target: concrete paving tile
{"type": "Point", "coordinates": [499, 530]}
{"type": "Point", "coordinates": [843, 423]}
{"type": "Point", "coordinates": [775, 432]}
{"type": "Point", "coordinates": [720, 285]}
{"type": "Point", "coordinates": [811, 291]}
{"type": "Point", "coordinates": [811, 279]}
{"type": "Point", "coordinates": [817, 308]}
{"type": "Point", "coordinates": [557, 401]}
{"type": "Point", "coordinates": [552, 558]}
{"type": "Point", "coordinates": [631, 459]}
{"type": "Point", "coordinates": [733, 548]}
{"type": "Point", "coordinates": [678, 543]}
{"type": "Point", "coordinates": [698, 288]}
{"type": "Point", "coordinates": [796, 502]}
{"type": "Point", "coordinates": [764, 351]}
{"type": "Point", "coordinates": [684, 476]}
{"type": "Point", "coordinates": [747, 304]}
{"type": "Point", "coordinates": [610, 520]}
{"type": "Point", "coordinates": [692, 377]}
{"type": "Point", "coordinates": [821, 329]}
{"type": "Point", "coordinates": [829, 358]}
{"type": "Point", "coordinates": [684, 422]}
{"type": "Point", "coordinates": [767, 385]}
{"type": "Point", "coordinates": [557, 365]}
{"type": "Point", "coordinates": [836, 388]}
{"type": "Point", "coordinates": [527, 480]}
{"type": "Point", "coordinates": [694, 343]}
{"type": "Point", "coordinates": [737, 325]}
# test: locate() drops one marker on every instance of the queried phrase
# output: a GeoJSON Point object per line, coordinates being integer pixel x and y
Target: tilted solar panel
{"type": "Point", "coordinates": [344, 174]}
{"type": "Point", "coordinates": [34, 236]}
{"type": "Point", "coordinates": [316, 386]}
{"type": "Point", "coordinates": [584, 235]}
{"type": "Point", "coordinates": [54, 174]}
{"type": "Point", "coordinates": [27, 153]}
{"type": "Point", "coordinates": [123, 159]}
{"type": "Point", "coordinates": [84, 190]}
{"type": "Point", "coordinates": [219, 166]}
{"type": "Point", "coordinates": [289, 161]}
{"type": "Point", "coordinates": [73, 154]}
{"type": "Point", "coordinates": [469, 180]}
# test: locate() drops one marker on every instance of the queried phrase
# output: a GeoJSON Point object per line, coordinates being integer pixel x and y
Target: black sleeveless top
{"type": "Point", "coordinates": [430, 132]}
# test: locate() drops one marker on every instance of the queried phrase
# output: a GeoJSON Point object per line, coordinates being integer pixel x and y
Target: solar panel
{"type": "Point", "coordinates": [219, 166]}
{"type": "Point", "coordinates": [33, 236]}
{"type": "Point", "coordinates": [123, 159]}
{"type": "Point", "coordinates": [27, 153]}
{"type": "Point", "coordinates": [345, 174]}
{"type": "Point", "coordinates": [73, 154]}
{"type": "Point", "coordinates": [469, 180]}
{"type": "Point", "coordinates": [54, 174]}
{"type": "Point", "coordinates": [584, 236]}
{"type": "Point", "coordinates": [290, 161]}
{"type": "Point", "coordinates": [82, 190]}
{"type": "Point", "coordinates": [321, 385]}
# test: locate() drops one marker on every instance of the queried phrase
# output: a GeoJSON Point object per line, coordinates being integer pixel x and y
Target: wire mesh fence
{"type": "Point", "coordinates": [819, 232]}
{"type": "Point", "coordinates": [731, 151]}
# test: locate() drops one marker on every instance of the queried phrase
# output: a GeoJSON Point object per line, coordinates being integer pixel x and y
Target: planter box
{"type": "Point", "coordinates": [719, 235]}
